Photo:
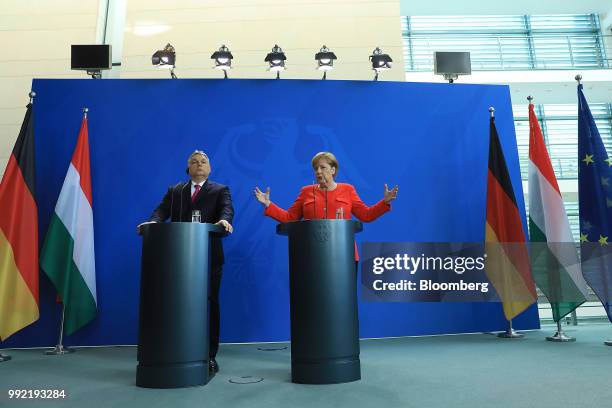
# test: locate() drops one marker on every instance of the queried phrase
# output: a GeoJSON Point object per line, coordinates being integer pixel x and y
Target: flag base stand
{"type": "Point", "coordinates": [59, 350]}
{"type": "Point", "coordinates": [4, 357]}
{"type": "Point", "coordinates": [510, 333]}
{"type": "Point", "coordinates": [559, 336]}
{"type": "Point", "coordinates": [607, 343]}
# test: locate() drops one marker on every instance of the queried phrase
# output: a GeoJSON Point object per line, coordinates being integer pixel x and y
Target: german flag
{"type": "Point", "coordinates": [19, 236]}
{"type": "Point", "coordinates": [507, 263]}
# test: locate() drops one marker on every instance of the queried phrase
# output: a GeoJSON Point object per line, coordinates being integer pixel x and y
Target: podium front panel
{"type": "Point", "coordinates": [173, 328]}
{"type": "Point", "coordinates": [323, 286]}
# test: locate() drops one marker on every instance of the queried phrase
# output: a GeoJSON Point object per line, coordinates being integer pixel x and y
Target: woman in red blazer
{"type": "Point", "coordinates": [326, 199]}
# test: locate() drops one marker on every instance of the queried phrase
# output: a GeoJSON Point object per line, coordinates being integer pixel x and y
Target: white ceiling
{"type": "Point", "coordinates": [479, 7]}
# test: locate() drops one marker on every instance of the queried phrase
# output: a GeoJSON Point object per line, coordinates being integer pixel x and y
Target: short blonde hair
{"type": "Point", "coordinates": [328, 157]}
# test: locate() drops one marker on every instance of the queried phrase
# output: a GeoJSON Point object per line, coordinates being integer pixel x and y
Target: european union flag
{"type": "Point", "coordinates": [595, 198]}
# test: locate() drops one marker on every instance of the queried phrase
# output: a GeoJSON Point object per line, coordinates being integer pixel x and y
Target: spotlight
{"type": "Point", "coordinates": [380, 61]}
{"type": "Point", "coordinates": [223, 60]}
{"type": "Point", "coordinates": [325, 60]}
{"type": "Point", "coordinates": [276, 59]}
{"type": "Point", "coordinates": [165, 58]}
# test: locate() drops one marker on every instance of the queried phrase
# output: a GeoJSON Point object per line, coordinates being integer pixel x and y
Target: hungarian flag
{"type": "Point", "coordinates": [67, 255]}
{"type": "Point", "coordinates": [507, 263]}
{"type": "Point", "coordinates": [554, 257]}
{"type": "Point", "coordinates": [19, 236]}
{"type": "Point", "coordinates": [595, 204]}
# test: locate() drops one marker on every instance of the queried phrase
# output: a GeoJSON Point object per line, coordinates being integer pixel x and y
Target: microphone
{"type": "Point", "coordinates": [314, 199]}
{"type": "Point", "coordinates": [171, 201]}
{"type": "Point", "coordinates": [325, 216]}
{"type": "Point", "coordinates": [181, 208]}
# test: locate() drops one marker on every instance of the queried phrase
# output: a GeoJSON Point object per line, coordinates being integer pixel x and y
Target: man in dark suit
{"type": "Point", "coordinates": [214, 202]}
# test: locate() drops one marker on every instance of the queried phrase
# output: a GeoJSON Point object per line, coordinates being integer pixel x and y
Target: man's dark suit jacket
{"type": "Point", "coordinates": [214, 202]}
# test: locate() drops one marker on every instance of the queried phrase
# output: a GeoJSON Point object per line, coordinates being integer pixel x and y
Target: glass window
{"type": "Point", "coordinates": [516, 42]}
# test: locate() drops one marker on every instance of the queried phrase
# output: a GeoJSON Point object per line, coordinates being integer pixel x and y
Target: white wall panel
{"type": "Point", "coordinates": [36, 36]}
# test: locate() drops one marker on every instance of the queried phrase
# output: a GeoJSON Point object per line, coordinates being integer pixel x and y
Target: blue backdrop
{"type": "Point", "coordinates": [430, 139]}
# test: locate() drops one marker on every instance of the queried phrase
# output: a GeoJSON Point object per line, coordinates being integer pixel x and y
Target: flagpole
{"type": "Point", "coordinates": [559, 336]}
{"type": "Point", "coordinates": [578, 78]}
{"type": "Point", "coordinates": [56, 270]}
{"type": "Point", "coordinates": [6, 357]}
{"type": "Point", "coordinates": [510, 333]}
{"type": "Point", "coordinates": [59, 348]}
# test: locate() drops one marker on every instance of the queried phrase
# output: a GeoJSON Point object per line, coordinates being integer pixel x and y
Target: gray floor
{"type": "Point", "coordinates": [476, 370]}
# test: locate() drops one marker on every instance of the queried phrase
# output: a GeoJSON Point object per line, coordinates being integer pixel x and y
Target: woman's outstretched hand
{"type": "Point", "coordinates": [390, 195]}
{"type": "Point", "coordinates": [262, 197]}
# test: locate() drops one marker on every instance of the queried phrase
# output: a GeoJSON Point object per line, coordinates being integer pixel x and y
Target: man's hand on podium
{"type": "Point", "coordinates": [139, 227]}
{"type": "Point", "coordinates": [228, 227]}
